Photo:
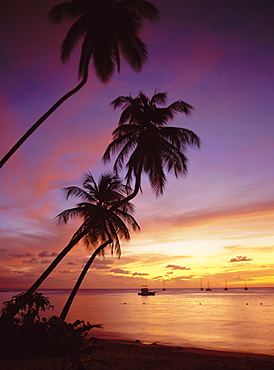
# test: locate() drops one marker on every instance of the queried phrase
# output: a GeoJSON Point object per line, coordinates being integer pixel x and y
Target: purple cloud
{"type": "Point", "coordinates": [20, 255]}
{"type": "Point", "coordinates": [101, 264]}
{"type": "Point", "coordinates": [139, 274]}
{"type": "Point", "coordinates": [241, 259]}
{"type": "Point", "coordinates": [18, 272]}
{"type": "Point", "coordinates": [176, 267]}
{"type": "Point", "coordinates": [47, 254]}
{"type": "Point", "coordinates": [67, 272]}
{"type": "Point", "coordinates": [31, 260]}
{"type": "Point", "coordinates": [120, 271]}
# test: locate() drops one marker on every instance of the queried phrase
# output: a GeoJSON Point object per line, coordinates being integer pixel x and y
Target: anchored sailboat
{"type": "Point", "coordinates": [208, 289]}
{"type": "Point", "coordinates": [163, 284]}
{"type": "Point", "coordinates": [225, 288]}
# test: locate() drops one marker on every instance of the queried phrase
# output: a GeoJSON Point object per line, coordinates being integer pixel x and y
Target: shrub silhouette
{"type": "Point", "coordinates": [27, 334]}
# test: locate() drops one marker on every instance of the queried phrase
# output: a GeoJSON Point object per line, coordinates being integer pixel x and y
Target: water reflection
{"type": "Point", "coordinates": [227, 320]}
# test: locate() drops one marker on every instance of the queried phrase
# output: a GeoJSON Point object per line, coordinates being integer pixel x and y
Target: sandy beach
{"type": "Point", "coordinates": [122, 355]}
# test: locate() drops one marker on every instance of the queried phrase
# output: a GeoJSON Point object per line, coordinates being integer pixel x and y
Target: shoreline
{"type": "Point", "coordinates": [195, 350]}
{"type": "Point", "coordinates": [115, 337]}
{"type": "Point", "coordinates": [120, 354]}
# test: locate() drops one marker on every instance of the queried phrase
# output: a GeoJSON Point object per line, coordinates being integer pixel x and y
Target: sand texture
{"type": "Point", "coordinates": [122, 355]}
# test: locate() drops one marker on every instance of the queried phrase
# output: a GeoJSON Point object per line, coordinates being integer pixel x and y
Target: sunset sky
{"type": "Point", "coordinates": [217, 221]}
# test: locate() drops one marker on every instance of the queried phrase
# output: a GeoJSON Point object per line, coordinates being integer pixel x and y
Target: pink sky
{"type": "Point", "coordinates": [217, 56]}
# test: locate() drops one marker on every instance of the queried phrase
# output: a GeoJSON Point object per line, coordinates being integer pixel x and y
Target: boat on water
{"type": "Point", "coordinates": [145, 291]}
{"type": "Point", "coordinates": [164, 288]}
{"type": "Point", "coordinates": [245, 288]}
{"type": "Point", "coordinates": [225, 288]}
{"type": "Point", "coordinates": [201, 285]}
{"type": "Point", "coordinates": [208, 289]}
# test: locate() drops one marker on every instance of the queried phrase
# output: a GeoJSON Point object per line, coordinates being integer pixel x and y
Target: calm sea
{"type": "Point", "coordinates": [235, 320]}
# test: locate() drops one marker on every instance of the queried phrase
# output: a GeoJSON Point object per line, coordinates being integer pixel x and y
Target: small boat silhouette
{"type": "Point", "coordinates": [164, 285]}
{"type": "Point", "coordinates": [145, 291]}
{"type": "Point", "coordinates": [245, 288]}
{"type": "Point", "coordinates": [208, 289]}
{"type": "Point", "coordinates": [225, 288]}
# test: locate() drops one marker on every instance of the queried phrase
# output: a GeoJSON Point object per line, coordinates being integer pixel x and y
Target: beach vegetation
{"type": "Point", "coordinates": [29, 335]}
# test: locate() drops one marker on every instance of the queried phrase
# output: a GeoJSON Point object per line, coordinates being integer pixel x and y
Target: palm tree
{"type": "Point", "coordinates": [95, 200]}
{"type": "Point", "coordinates": [107, 28]}
{"type": "Point", "coordinates": [152, 147]}
{"type": "Point", "coordinates": [95, 211]}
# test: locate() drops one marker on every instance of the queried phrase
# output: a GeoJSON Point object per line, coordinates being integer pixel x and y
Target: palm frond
{"type": "Point", "coordinates": [64, 11]}
{"type": "Point", "coordinates": [158, 98]}
{"type": "Point", "coordinates": [75, 33]}
{"type": "Point", "coordinates": [180, 107]}
{"type": "Point", "coordinates": [180, 137]}
{"type": "Point", "coordinates": [66, 215]}
{"type": "Point", "coordinates": [146, 10]}
{"type": "Point", "coordinates": [75, 191]}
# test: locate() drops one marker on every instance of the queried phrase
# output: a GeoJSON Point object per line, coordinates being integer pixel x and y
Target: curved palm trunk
{"type": "Point", "coordinates": [76, 239]}
{"type": "Point", "coordinates": [42, 119]}
{"type": "Point", "coordinates": [80, 279]}
{"type": "Point", "coordinates": [133, 194]}
{"type": "Point", "coordinates": [56, 261]}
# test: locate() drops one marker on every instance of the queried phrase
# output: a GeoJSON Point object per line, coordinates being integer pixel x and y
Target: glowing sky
{"type": "Point", "coordinates": [218, 221]}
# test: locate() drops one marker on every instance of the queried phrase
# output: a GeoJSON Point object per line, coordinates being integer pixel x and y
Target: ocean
{"type": "Point", "coordinates": [233, 320]}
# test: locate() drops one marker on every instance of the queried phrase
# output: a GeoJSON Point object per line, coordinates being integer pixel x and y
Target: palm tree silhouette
{"type": "Point", "coordinates": [107, 29]}
{"type": "Point", "coordinates": [154, 147]}
{"type": "Point", "coordinates": [95, 218]}
{"type": "Point", "coordinates": [95, 200]}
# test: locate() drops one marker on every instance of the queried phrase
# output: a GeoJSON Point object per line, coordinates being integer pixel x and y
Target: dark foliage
{"type": "Point", "coordinates": [27, 334]}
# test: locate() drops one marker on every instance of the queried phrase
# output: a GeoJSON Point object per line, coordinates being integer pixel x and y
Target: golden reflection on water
{"type": "Point", "coordinates": [231, 320]}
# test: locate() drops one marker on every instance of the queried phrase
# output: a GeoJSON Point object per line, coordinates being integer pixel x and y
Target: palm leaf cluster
{"type": "Point", "coordinates": [97, 199]}
{"type": "Point", "coordinates": [107, 28]}
{"type": "Point", "coordinates": [142, 137]}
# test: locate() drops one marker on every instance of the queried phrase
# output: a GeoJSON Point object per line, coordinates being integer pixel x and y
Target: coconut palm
{"type": "Point", "coordinates": [154, 146]}
{"type": "Point", "coordinates": [96, 199]}
{"type": "Point", "coordinates": [107, 29]}
{"type": "Point", "coordinates": [97, 210]}
{"type": "Point", "coordinates": [150, 145]}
